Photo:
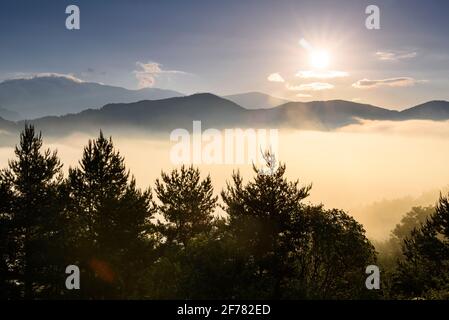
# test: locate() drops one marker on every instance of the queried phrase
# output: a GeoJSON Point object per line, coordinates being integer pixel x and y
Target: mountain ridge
{"type": "Point", "coordinates": [165, 115]}
{"type": "Point", "coordinates": [256, 100]}
{"type": "Point", "coordinates": [37, 97]}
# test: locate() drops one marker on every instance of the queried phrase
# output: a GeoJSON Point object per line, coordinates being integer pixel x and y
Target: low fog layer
{"type": "Point", "coordinates": [376, 170]}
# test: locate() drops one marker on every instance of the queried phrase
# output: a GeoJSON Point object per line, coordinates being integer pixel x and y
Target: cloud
{"type": "Point", "coordinates": [304, 95]}
{"type": "Point", "coordinates": [29, 76]}
{"type": "Point", "coordinates": [408, 128]}
{"type": "Point", "coordinates": [305, 44]}
{"type": "Point", "coordinates": [275, 77]}
{"type": "Point", "coordinates": [391, 82]}
{"type": "Point", "coordinates": [148, 72]}
{"type": "Point", "coordinates": [395, 55]}
{"type": "Point", "coordinates": [321, 74]}
{"type": "Point", "coordinates": [314, 86]}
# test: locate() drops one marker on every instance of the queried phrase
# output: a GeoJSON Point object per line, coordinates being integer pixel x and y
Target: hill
{"type": "Point", "coordinates": [256, 100]}
{"type": "Point", "coordinates": [58, 95]}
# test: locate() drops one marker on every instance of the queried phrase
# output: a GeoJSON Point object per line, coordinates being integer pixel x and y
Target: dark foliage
{"type": "Point", "coordinates": [424, 270]}
{"type": "Point", "coordinates": [265, 243]}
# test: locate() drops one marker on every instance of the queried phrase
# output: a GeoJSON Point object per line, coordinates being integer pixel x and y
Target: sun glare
{"type": "Point", "coordinates": [319, 59]}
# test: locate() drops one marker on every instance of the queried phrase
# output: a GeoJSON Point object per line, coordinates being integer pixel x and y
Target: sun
{"type": "Point", "coordinates": [319, 59]}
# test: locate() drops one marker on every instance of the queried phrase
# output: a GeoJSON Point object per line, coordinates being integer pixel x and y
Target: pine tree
{"type": "Point", "coordinates": [293, 250]}
{"type": "Point", "coordinates": [31, 219]}
{"type": "Point", "coordinates": [261, 215]}
{"type": "Point", "coordinates": [425, 252]}
{"type": "Point", "coordinates": [186, 203]}
{"type": "Point", "coordinates": [111, 223]}
{"type": "Point", "coordinates": [7, 288]}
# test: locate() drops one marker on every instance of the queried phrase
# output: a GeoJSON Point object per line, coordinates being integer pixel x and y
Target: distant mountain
{"type": "Point", "coordinates": [6, 124]}
{"type": "Point", "coordinates": [432, 110]}
{"type": "Point", "coordinates": [165, 115]}
{"type": "Point", "coordinates": [256, 100]}
{"type": "Point", "coordinates": [151, 116]}
{"type": "Point", "coordinates": [213, 112]}
{"type": "Point", "coordinates": [57, 95]}
{"type": "Point", "coordinates": [9, 115]}
{"type": "Point", "coordinates": [8, 133]}
{"type": "Point", "coordinates": [327, 115]}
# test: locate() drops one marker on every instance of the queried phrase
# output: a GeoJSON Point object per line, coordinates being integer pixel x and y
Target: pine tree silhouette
{"type": "Point", "coordinates": [31, 216]}
{"type": "Point", "coordinates": [111, 223]}
{"type": "Point", "coordinates": [186, 203]}
{"type": "Point", "coordinates": [294, 250]}
{"type": "Point", "coordinates": [424, 270]}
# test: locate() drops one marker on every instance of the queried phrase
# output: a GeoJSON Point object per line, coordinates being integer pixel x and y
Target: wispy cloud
{"type": "Point", "coordinates": [391, 82]}
{"type": "Point", "coordinates": [31, 75]}
{"type": "Point", "coordinates": [148, 72]}
{"type": "Point", "coordinates": [305, 44]}
{"type": "Point", "coordinates": [408, 128]}
{"type": "Point", "coordinates": [314, 86]}
{"type": "Point", "coordinates": [275, 77]}
{"type": "Point", "coordinates": [321, 74]}
{"type": "Point", "coordinates": [395, 55]}
{"type": "Point", "coordinates": [304, 95]}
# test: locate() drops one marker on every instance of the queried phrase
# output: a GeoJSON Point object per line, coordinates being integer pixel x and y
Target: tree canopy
{"type": "Point", "coordinates": [261, 239]}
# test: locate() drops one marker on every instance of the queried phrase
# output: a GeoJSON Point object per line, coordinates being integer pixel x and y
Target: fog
{"type": "Point", "coordinates": [376, 170]}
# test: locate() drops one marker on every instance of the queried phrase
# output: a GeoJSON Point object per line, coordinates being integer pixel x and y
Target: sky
{"type": "Point", "coordinates": [299, 50]}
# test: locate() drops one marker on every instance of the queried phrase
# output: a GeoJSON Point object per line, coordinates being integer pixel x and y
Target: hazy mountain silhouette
{"type": "Point", "coordinates": [8, 132]}
{"type": "Point", "coordinates": [432, 110]}
{"type": "Point", "coordinates": [152, 116]}
{"type": "Point", "coordinates": [9, 115]}
{"type": "Point", "coordinates": [166, 115]}
{"type": "Point", "coordinates": [6, 124]}
{"type": "Point", "coordinates": [325, 115]}
{"type": "Point", "coordinates": [58, 95]}
{"type": "Point", "coordinates": [256, 100]}
{"type": "Point", "coordinates": [213, 112]}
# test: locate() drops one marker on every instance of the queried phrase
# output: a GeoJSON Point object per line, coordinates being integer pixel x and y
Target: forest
{"type": "Point", "coordinates": [169, 242]}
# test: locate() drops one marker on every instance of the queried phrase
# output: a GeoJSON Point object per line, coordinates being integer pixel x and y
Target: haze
{"type": "Point", "coordinates": [399, 164]}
